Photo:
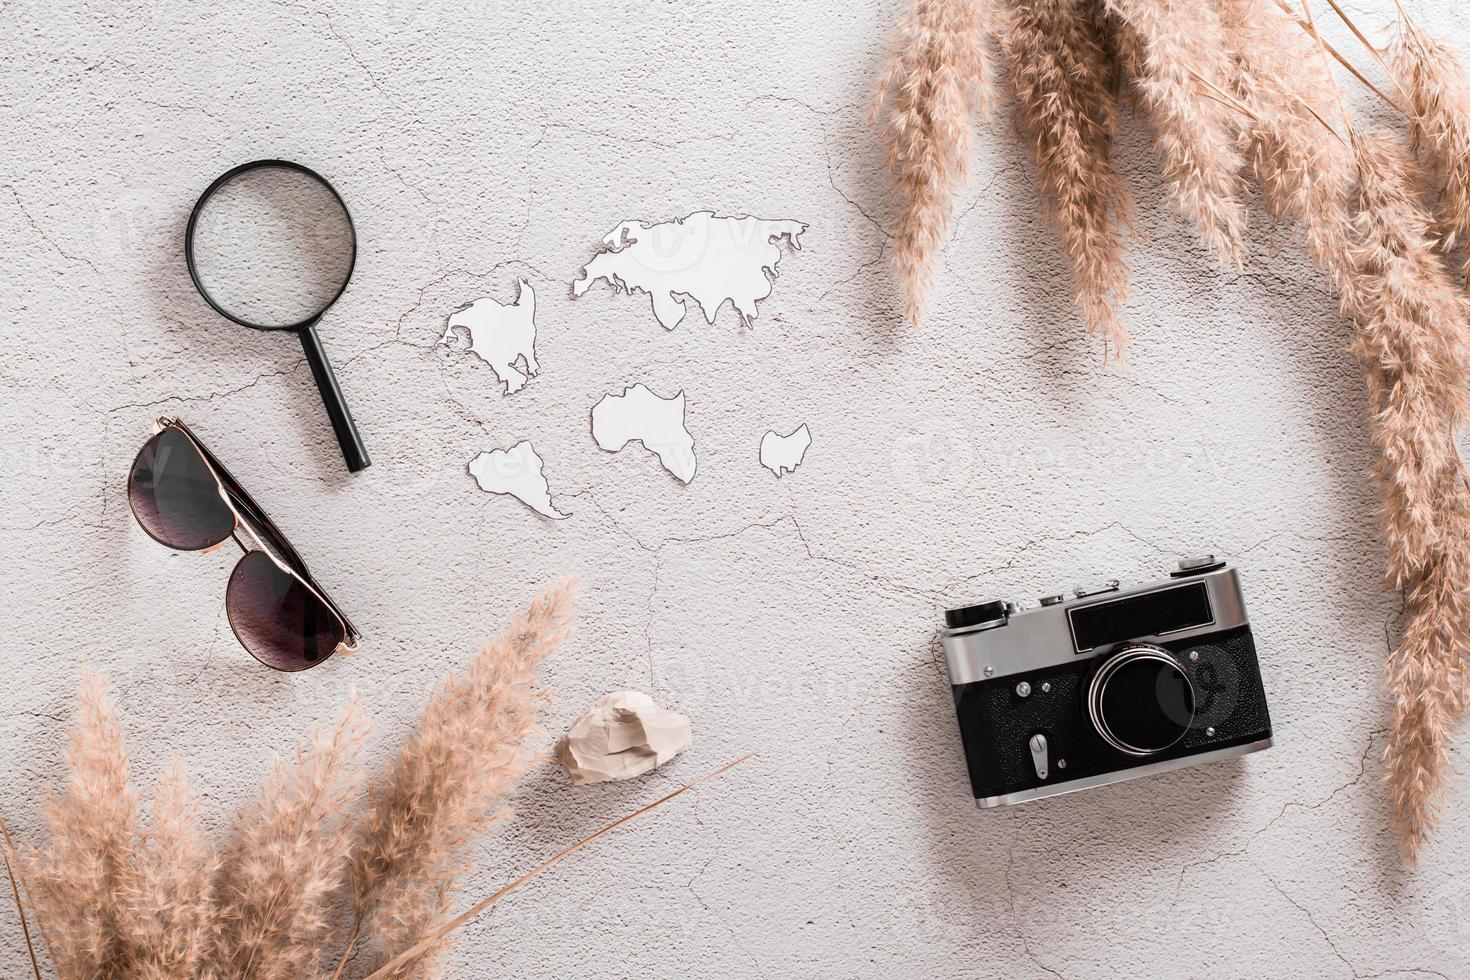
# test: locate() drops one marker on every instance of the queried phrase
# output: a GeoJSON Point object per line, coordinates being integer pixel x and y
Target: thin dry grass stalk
{"type": "Point", "coordinates": [1169, 45]}
{"type": "Point", "coordinates": [449, 782]}
{"type": "Point", "coordinates": [168, 900]}
{"type": "Point", "coordinates": [11, 871]}
{"type": "Point", "coordinates": [936, 78]}
{"type": "Point", "coordinates": [1305, 170]}
{"type": "Point", "coordinates": [437, 935]}
{"type": "Point", "coordinates": [1432, 77]}
{"type": "Point", "coordinates": [81, 877]}
{"type": "Point", "coordinates": [1061, 62]}
{"type": "Point", "coordinates": [285, 859]}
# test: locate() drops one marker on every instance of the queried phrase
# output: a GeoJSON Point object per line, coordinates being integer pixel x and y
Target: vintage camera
{"type": "Point", "coordinates": [1105, 685]}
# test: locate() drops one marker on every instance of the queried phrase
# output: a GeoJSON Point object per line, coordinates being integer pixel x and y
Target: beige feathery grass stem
{"type": "Point", "coordinates": [1340, 58]}
{"type": "Point", "coordinates": [1342, 14]}
{"type": "Point", "coordinates": [1432, 78]}
{"type": "Point", "coordinates": [287, 858]}
{"type": "Point", "coordinates": [936, 79]}
{"type": "Point", "coordinates": [1062, 66]}
{"type": "Point", "coordinates": [81, 876]}
{"type": "Point", "coordinates": [1167, 46]}
{"type": "Point", "coordinates": [20, 911]}
{"type": "Point", "coordinates": [1413, 341]}
{"type": "Point", "coordinates": [25, 887]}
{"type": "Point", "coordinates": [449, 782]}
{"type": "Point", "coordinates": [169, 898]}
{"type": "Point", "coordinates": [437, 934]}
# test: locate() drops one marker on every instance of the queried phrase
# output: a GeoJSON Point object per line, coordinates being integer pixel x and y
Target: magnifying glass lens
{"type": "Point", "coordinates": [273, 247]}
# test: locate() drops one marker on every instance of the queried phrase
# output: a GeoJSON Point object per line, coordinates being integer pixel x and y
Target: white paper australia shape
{"type": "Point", "coordinates": [504, 337]}
{"type": "Point", "coordinates": [642, 416]}
{"type": "Point", "coordinates": [710, 258]}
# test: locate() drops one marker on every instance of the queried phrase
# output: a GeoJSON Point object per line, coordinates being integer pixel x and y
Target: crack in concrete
{"type": "Point", "coordinates": [1244, 849]}
{"type": "Point", "coordinates": [1011, 909]}
{"type": "Point", "coordinates": [211, 396]}
{"type": "Point", "coordinates": [36, 226]}
{"type": "Point", "coordinates": [1048, 539]}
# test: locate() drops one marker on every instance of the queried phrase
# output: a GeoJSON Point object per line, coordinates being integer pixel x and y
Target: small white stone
{"type": "Point", "coordinates": [623, 734]}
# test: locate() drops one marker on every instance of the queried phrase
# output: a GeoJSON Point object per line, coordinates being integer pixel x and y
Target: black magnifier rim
{"type": "Point", "coordinates": [224, 179]}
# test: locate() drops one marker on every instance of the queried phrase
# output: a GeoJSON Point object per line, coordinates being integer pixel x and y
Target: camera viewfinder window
{"type": "Point", "coordinates": [1153, 614]}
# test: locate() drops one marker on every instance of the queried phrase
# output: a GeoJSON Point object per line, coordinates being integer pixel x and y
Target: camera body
{"type": "Point", "coordinates": [1106, 685]}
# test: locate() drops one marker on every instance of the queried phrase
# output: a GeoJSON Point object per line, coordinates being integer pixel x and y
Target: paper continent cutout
{"type": "Point", "coordinates": [783, 454]}
{"type": "Point", "coordinates": [516, 472]}
{"type": "Point", "coordinates": [712, 259]}
{"type": "Point", "coordinates": [638, 414]}
{"type": "Point", "coordinates": [502, 336]}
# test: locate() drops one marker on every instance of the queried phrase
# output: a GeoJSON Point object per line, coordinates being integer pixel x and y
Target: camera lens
{"type": "Point", "coordinates": [1141, 701]}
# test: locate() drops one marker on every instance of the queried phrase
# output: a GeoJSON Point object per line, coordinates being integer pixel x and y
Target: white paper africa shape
{"type": "Point", "coordinates": [784, 453]}
{"type": "Point", "coordinates": [515, 471]}
{"type": "Point", "coordinates": [711, 259]}
{"type": "Point", "coordinates": [640, 415]}
{"type": "Point", "coordinates": [501, 335]}
{"type": "Point", "coordinates": [623, 734]}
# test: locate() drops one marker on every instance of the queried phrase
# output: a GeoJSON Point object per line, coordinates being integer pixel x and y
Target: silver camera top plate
{"type": "Point", "coordinates": [1025, 640]}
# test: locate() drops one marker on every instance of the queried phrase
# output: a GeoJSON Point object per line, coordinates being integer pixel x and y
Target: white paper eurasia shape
{"type": "Point", "coordinates": [502, 336]}
{"type": "Point", "coordinates": [709, 258]}
{"type": "Point", "coordinates": [515, 471]}
{"type": "Point", "coordinates": [640, 415]}
{"type": "Point", "coordinates": [783, 454]}
{"type": "Point", "coordinates": [623, 734]}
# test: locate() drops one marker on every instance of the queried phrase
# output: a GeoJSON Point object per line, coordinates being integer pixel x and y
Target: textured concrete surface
{"type": "Point", "coordinates": [989, 452]}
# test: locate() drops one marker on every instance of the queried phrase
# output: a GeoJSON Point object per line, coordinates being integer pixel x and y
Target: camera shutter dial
{"type": "Point", "coordinates": [1141, 701]}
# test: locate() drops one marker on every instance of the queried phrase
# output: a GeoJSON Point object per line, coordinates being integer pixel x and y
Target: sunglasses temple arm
{"type": "Point", "coordinates": [348, 438]}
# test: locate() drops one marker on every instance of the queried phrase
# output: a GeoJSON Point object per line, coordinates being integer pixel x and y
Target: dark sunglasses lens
{"type": "Point", "coordinates": [280, 621]}
{"type": "Point", "coordinates": [174, 495]}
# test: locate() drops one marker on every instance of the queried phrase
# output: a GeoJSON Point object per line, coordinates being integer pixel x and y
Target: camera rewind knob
{"type": "Point", "coordinates": [992, 613]}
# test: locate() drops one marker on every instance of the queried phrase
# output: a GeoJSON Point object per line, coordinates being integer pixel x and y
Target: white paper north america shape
{"type": "Point", "coordinates": [640, 415]}
{"type": "Point", "coordinates": [711, 259]}
{"type": "Point", "coordinates": [515, 471]}
{"type": "Point", "coordinates": [502, 336]}
{"type": "Point", "coordinates": [784, 453]}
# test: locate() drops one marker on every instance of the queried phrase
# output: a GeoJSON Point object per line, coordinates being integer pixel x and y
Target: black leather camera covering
{"type": "Point", "coordinates": [996, 723]}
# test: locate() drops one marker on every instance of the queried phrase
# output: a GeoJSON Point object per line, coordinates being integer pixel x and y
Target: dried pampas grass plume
{"type": "Point", "coordinates": [449, 782]}
{"type": "Point", "coordinates": [82, 876]}
{"type": "Point", "coordinates": [169, 899]}
{"type": "Point", "coordinates": [1176, 52]}
{"type": "Point", "coordinates": [1413, 342]}
{"type": "Point", "coordinates": [286, 857]}
{"type": "Point", "coordinates": [1059, 58]}
{"type": "Point", "coordinates": [1431, 75]}
{"type": "Point", "coordinates": [936, 78]}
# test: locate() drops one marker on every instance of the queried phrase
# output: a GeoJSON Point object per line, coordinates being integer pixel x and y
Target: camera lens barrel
{"type": "Point", "coordinates": [1141, 701]}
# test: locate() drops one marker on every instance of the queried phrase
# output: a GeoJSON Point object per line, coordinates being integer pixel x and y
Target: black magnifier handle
{"type": "Point", "coordinates": [353, 450]}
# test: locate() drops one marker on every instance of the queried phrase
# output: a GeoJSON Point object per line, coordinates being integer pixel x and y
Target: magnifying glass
{"type": "Point", "coordinates": [270, 245]}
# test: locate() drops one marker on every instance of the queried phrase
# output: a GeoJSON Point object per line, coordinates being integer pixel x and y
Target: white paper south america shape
{"type": "Point", "coordinates": [640, 415]}
{"type": "Point", "coordinates": [711, 258]}
{"type": "Point", "coordinates": [502, 336]}
{"type": "Point", "coordinates": [515, 471]}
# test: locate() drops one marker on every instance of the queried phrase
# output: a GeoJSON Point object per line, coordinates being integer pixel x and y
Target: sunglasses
{"type": "Point", "coordinates": [184, 499]}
